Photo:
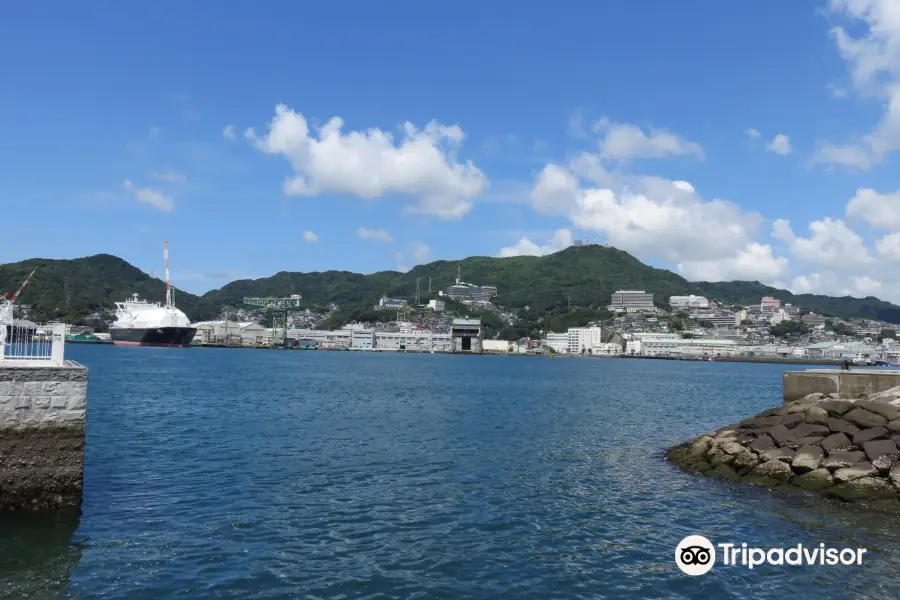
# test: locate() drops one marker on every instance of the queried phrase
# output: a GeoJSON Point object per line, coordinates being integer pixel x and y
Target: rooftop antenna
{"type": "Point", "coordinates": [168, 281]}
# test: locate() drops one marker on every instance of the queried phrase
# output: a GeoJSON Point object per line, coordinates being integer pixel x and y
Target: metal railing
{"type": "Point", "coordinates": [33, 345]}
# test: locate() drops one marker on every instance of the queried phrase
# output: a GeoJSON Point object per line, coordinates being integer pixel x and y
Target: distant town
{"type": "Point", "coordinates": [691, 327]}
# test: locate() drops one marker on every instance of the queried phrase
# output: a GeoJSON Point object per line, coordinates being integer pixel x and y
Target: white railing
{"type": "Point", "coordinates": [33, 345]}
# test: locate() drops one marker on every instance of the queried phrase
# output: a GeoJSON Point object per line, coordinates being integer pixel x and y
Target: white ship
{"type": "Point", "coordinates": [142, 323]}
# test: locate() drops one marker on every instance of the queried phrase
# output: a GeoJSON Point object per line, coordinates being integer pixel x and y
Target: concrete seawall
{"type": "Point", "coordinates": [847, 384]}
{"type": "Point", "coordinates": [42, 425]}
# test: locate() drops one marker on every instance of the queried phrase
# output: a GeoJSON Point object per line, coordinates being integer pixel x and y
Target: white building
{"type": "Point", "coordinates": [584, 339]}
{"type": "Point", "coordinates": [253, 333]}
{"type": "Point", "coordinates": [728, 320]}
{"type": "Point", "coordinates": [390, 303]}
{"type": "Point", "coordinates": [631, 301]}
{"type": "Point", "coordinates": [690, 347]}
{"type": "Point", "coordinates": [217, 332]}
{"type": "Point", "coordinates": [688, 302]}
{"type": "Point", "coordinates": [559, 342]}
{"type": "Point", "coordinates": [412, 341]}
{"type": "Point", "coordinates": [496, 346]}
{"type": "Point", "coordinates": [437, 305]}
{"type": "Point", "coordinates": [362, 339]}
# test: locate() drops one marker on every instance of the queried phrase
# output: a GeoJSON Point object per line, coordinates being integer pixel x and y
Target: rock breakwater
{"type": "Point", "coordinates": [846, 448]}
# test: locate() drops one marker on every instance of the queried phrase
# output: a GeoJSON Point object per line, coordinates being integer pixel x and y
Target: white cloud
{"type": "Point", "coordinates": [375, 235]}
{"type": "Point", "coordinates": [832, 244]}
{"type": "Point", "coordinates": [153, 134]}
{"type": "Point", "coordinates": [525, 247]}
{"type": "Point", "coordinates": [888, 247]}
{"type": "Point", "coordinates": [149, 196]}
{"type": "Point", "coordinates": [310, 237]}
{"type": "Point", "coordinates": [832, 284]}
{"type": "Point", "coordinates": [169, 176]}
{"type": "Point", "coordinates": [781, 144]}
{"type": "Point", "coordinates": [419, 253]}
{"type": "Point", "coordinates": [652, 217]}
{"type": "Point", "coordinates": [755, 262]}
{"type": "Point", "coordinates": [752, 133]}
{"type": "Point", "coordinates": [881, 211]}
{"type": "Point", "coordinates": [575, 127]}
{"type": "Point", "coordinates": [228, 133]}
{"type": "Point", "coordinates": [874, 59]}
{"type": "Point", "coordinates": [623, 142]}
{"type": "Point", "coordinates": [368, 164]}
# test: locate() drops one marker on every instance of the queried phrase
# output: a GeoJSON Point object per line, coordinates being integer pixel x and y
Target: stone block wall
{"type": "Point", "coordinates": [42, 426]}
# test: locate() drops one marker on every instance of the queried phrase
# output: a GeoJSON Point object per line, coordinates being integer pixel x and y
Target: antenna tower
{"type": "Point", "coordinates": [429, 285]}
{"type": "Point", "coordinates": [418, 295]}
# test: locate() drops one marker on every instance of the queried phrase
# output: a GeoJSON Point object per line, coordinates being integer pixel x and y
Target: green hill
{"type": "Point", "coordinates": [78, 287]}
{"type": "Point", "coordinates": [848, 307]}
{"type": "Point", "coordinates": [567, 288]}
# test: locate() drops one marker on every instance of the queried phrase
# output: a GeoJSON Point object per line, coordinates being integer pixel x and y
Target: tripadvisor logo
{"type": "Point", "coordinates": [696, 555]}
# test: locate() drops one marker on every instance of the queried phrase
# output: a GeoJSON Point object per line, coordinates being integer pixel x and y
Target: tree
{"type": "Point", "coordinates": [788, 328]}
{"type": "Point", "coordinates": [889, 333]}
{"type": "Point", "coordinates": [707, 324]}
{"type": "Point", "coordinates": [841, 329]}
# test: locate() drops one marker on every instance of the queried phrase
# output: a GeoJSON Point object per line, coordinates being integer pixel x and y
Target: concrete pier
{"type": "Point", "coordinates": [849, 384]}
{"type": "Point", "coordinates": [42, 425]}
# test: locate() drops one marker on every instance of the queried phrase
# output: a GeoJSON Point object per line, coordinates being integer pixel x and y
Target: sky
{"type": "Point", "coordinates": [721, 140]}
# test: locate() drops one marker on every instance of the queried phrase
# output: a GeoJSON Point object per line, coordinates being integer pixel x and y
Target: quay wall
{"type": "Point", "coordinates": [847, 384]}
{"type": "Point", "coordinates": [42, 428]}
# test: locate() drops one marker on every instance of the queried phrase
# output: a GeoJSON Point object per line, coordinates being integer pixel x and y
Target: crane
{"type": "Point", "coordinates": [279, 308]}
{"type": "Point", "coordinates": [21, 287]}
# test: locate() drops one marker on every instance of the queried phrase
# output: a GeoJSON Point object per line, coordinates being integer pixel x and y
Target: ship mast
{"type": "Point", "coordinates": [168, 282]}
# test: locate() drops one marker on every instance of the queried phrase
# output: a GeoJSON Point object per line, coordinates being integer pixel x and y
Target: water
{"type": "Point", "coordinates": [323, 475]}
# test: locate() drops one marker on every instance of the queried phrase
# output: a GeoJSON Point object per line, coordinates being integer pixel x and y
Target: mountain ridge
{"type": "Point", "coordinates": [578, 280]}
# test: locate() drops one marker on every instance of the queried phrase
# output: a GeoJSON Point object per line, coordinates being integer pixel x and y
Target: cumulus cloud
{"type": "Point", "coordinates": [370, 164]}
{"type": "Point", "coordinates": [525, 247]}
{"type": "Point", "coordinates": [375, 235]}
{"type": "Point", "coordinates": [888, 247]}
{"type": "Point", "coordinates": [310, 237]}
{"type": "Point", "coordinates": [874, 61]}
{"type": "Point", "coordinates": [881, 211]}
{"type": "Point", "coordinates": [418, 253]}
{"type": "Point", "coordinates": [752, 133]}
{"type": "Point", "coordinates": [623, 142]}
{"type": "Point", "coordinates": [651, 217]}
{"type": "Point", "coordinates": [832, 243]}
{"type": "Point", "coordinates": [228, 133]}
{"type": "Point", "coordinates": [780, 144]}
{"type": "Point", "coordinates": [754, 262]}
{"type": "Point", "coordinates": [149, 196]}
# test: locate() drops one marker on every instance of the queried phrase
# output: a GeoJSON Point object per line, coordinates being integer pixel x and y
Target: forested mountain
{"type": "Point", "coordinates": [566, 288]}
{"type": "Point", "coordinates": [748, 292]}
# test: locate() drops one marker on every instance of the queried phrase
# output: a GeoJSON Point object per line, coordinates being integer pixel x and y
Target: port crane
{"type": "Point", "coordinates": [279, 308]}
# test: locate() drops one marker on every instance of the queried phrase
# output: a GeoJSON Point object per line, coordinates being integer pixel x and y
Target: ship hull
{"type": "Point", "coordinates": [167, 337]}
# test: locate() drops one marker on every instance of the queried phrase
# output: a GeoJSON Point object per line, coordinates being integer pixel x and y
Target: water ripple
{"type": "Point", "coordinates": [238, 474]}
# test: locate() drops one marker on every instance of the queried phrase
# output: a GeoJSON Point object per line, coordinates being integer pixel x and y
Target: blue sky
{"type": "Point", "coordinates": [648, 124]}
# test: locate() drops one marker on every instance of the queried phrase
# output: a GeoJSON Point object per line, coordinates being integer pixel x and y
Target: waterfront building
{"type": "Point", "coordinates": [218, 332]}
{"type": "Point", "coordinates": [583, 339]}
{"type": "Point", "coordinates": [688, 302]}
{"type": "Point", "coordinates": [437, 305]}
{"type": "Point", "coordinates": [687, 348]}
{"type": "Point", "coordinates": [252, 333]}
{"type": "Point", "coordinates": [496, 346]}
{"type": "Point", "coordinates": [466, 335]}
{"type": "Point", "coordinates": [559, 342]}
{"type": "Point", "coordinates": [362, 339]}
{"type": "Point", "coordinates": [631, 301]}
{"type": "Point", "coordinates": [641, 335]}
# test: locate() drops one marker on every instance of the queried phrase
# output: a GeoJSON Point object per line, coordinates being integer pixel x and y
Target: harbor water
{"type": "Point", "coordinates": [215, 473]}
